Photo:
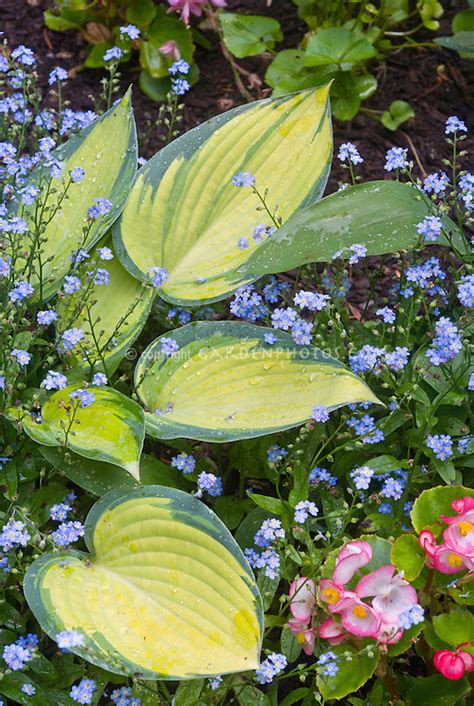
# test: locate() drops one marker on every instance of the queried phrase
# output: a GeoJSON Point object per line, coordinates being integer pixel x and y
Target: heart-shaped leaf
{"type": "Point", "coordinates": [435, 502]}
{"type": "Point", "coordinates": [382, 215]}
{"type": "Point", "coordinates": [111, 316]}
{"type": "Point", "coordinates": [354, 669]}
{"type": "Point", "coordinates": [107, 151]}
{"type": "Point", "coordinates": [185, 215]}
{"type": "Point", "coordinates": [226, 383]}
{"type": "Point", "coordinates": [110, 429]}
{"type": "Point", "coordinates": [408, 556]}
{"type": "Point", "coordinates": [165, 591]}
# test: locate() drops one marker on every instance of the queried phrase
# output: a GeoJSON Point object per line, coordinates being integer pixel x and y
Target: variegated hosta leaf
{"type": "Point", "coordinates": [382, 215]}
{"type": "Point", "coordinates": [165, 591]}
{"type": "Point", "coordinates": [110, 429]}
{"type": "Point", "coordinates": [226, 383]}
{"type": "Point", "coordinates": [185, 215]}
{"type": "Point", "coordinates": [111, 317]}
{"type": "Point", "coordinates": [107, 151]}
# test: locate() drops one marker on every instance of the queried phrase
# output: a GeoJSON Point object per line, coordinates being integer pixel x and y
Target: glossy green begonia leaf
{"type": "Point", "coordinates": [382, 215]}
{"type": "Point", "coordinates": [165, 591]}
{"type": "Point", "coordinates": [226, 383]}
{"type": "Point", "coordinates": [110, 429]}
{"type": "Point", "coordinates": [111, 316]}
{"type": "Point", "coordinates": [107, 151]}
{"type": "Point", "coordinates": [408, 556]}
{"type": "Point", "coordinates": [185, 215]}
{"type": "Point", "coordinates": [354, 669]}
{"type": "Point", "coordinates": [435, 502]}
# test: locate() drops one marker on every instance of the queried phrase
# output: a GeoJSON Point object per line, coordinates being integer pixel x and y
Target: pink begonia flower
{"type": "Point", "coordinates": [463, 504]}
{"type": "Point", "coordinates": [457, 551]}
{"type": "Point", "coordinates": [332, 631]}
{"type": "Point", "coordinates": [452, 665]}
{"type": "Point", "coordinates": [332, 594]}
{"type": "Point", "coordinates": [170, 49]}
{"type": "Point", "coordinates": [459, 536]}
{"type": "Point", "coordinates": [302, 599]}
{"type": "Point", "coordinates": [186, 7]}
{"type": "Point", "coordinates": [392, 595]}
{"type": "Point", "coordinates": [302, 604]}
{"type": "Point", "coordinates": [358, 618]}
{"type": "Point", "coordinates": [351, 557]}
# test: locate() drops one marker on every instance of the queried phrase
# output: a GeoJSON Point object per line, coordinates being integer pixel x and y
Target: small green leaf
{"type": "Point", "coordinates": [338, 46]}
{"type": "Point", "coordinates": [247, 35]}
{"type": "Point", "coordinates": [408, 556]}
{"type": "Point", "coordinates": [351, 674]}
{"type": "Point", "coordinates": [188, 692]}
{"type": "Point", "coordinates": [455, 627]}
{"type": "Point", "coordinates": [290, 646]}
{"type": "Point", "coordinates": [462, 42]}
{"type": "Point", "coordinates": [110, 429]}
{"type": "Point", "coordinates": [273, 505]}
{"type": "Point", "coordinates": [398, 113]}
{"type": "Point", "coordinates": [141, 13]}
{"type": "Point", "coordinates": [463, 21]}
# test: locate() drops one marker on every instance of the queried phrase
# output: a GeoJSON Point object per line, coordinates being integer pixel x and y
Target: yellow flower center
{"type": "Point", "coordinates": [464, 528]}
{"type": "Point", "coordinates": [330, 595]}
{"type": "Point", "coordinates": [359, 611]}
{"type": "Point", "coordinates": [300, 638]}
{"type": "Point", "coordinates": [454, 560]}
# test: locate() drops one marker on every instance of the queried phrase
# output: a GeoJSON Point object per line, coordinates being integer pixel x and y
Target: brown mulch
{"type": "Point", "coordinates": [435, 81]}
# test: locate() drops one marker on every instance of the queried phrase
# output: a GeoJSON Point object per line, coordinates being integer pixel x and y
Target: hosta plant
{"type": "Point", "coordinates": [271, 477]}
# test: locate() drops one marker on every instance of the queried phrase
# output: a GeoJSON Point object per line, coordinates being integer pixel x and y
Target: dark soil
{"type": "Point", "coordinates": [435, 81]}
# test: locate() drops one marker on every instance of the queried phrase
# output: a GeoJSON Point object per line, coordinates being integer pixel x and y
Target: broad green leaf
{"type": "Point", "coordinates": [338, 46]}
{"type": "Point", "coordinates": [185, 215]}
{"type": "Point", "coordinates": [435, 502]}
{"type": "Point", "coordinates": [247, 35]}
{"type": "Point", "coordinates": [380, 214]}
{"type": "Point", "coordinates": [188, 692]}
{"type": "Point", "coordinates": [288, 73]}
{"type": "Point", "coordinates": [111, 429]}
{"type": "Point", "coordinates": [408, 556]}
{"type": "Point", "coordinates": [107, 151]}
{"type": "Point", "coordinates": [226, 383]}
{"type": "Point", "coordinates": [164, 591]}
{"type": "Point", "coordinates": [462, 42]}
{"type": "Point", "coordinates": [437, 691]}
{"type": "Point", "coordinates": [351, 674]}
{"type": "Point", "coordinates": [455, 627]}
{"type": "Point", "coordinates": [164, 28]}
{"type": "Point", "coordinates": [463, 592]}
{"type": "Point", "coordinates": [273, 505]}
{"type": "Point", "coordinates": [406, 640]}
{"type": "Point", "coordinates": [111, 317]}
{"type": "Point", "coordinates": [463, 21]}
{"type": "Point", "coordinates": [98, 477]}
{"type": "Point", "coordinates": [249, 695]}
